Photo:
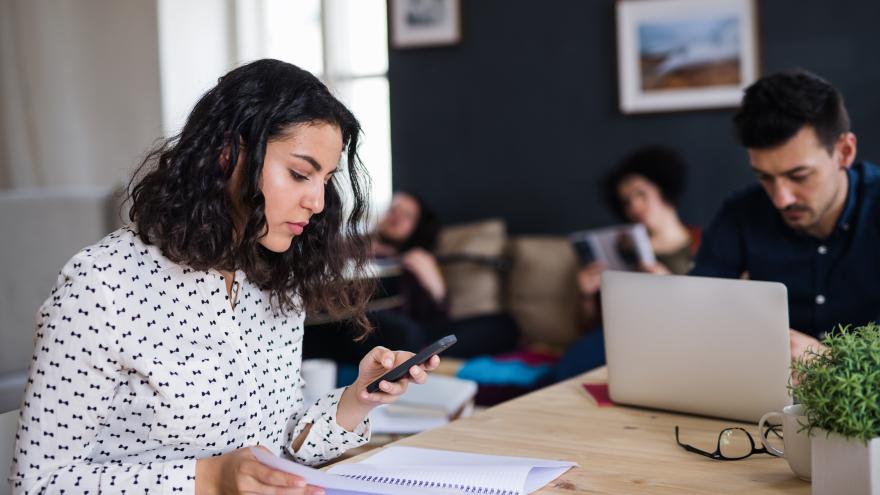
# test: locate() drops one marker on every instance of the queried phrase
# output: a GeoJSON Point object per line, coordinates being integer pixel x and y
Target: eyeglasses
{"type": "Point", "coordinates": [733, 444]}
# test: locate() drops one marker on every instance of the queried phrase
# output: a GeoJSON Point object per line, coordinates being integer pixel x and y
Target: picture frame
{"type": "Point", "coordinates": [424, 23]}
{"type": "Point", "coordinates": [677, 55]}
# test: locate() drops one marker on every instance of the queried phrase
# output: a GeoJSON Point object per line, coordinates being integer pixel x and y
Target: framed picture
{"type": "Point", "coordinates": [421, 23]}
{"type": "Point", "coordinates": [685, 54]}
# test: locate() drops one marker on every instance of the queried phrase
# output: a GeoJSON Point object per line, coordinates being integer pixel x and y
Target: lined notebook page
{"type": "Point", "coordinates": [501, 480]}
{"type": "Point", "coordinates": [457, 472]}
{"type": "Point", "coordinates": [415, 471]}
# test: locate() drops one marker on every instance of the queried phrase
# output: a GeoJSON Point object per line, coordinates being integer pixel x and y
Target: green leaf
{"type": "Point", "coordinates": [840, 386]}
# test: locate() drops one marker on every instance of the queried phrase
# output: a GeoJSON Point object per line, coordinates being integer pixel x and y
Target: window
{"type": "Point", "coordinates": [344, 42]}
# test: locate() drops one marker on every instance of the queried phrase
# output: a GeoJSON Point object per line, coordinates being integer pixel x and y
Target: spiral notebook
{"type": "Point", "coordinates": [415, 471]}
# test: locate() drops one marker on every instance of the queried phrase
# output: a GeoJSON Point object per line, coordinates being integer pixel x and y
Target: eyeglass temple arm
{"type": "Point", "coordinates": [695, 450]}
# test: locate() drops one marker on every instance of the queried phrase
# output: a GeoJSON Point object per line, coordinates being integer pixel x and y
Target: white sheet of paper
{"type": "Point", "coordinates": [507, 479]}
{"type": "Point", "coordinates": [520, 475]}
{"type": "Point", "coordinates": [334, 484]}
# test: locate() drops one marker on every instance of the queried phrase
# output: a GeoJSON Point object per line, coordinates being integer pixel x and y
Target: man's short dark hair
{"type": "Point", "coordinates": [660, 165]}
{"type": "Point", "coordinates": [776, 107]}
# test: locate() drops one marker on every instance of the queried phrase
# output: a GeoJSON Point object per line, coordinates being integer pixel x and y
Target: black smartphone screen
{"type": "Point", "coordinates": [403, 369]}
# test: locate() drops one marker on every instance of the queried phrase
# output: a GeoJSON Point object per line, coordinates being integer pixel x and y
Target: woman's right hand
{"type": "Point", "coordinates": [655, 268]}
{"type": "Point", "coordinates": [588, 278]}
{"type": "Point", "coordinates": [239, 472]}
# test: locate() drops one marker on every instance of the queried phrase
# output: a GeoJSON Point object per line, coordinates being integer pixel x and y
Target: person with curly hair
{"type": "Point", "coordinates": [645, 187]}
{"type": "Point", "coordinates": [170, 349]}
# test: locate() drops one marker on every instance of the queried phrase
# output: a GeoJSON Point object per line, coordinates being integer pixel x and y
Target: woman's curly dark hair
{"type": "Point", "coordinates": [180, 202]}
{"type": "Point", "coordinates": [658, 164]}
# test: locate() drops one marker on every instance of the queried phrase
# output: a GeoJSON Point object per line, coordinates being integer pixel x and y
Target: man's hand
{"type": "Point", "coordinates": [801, 342]}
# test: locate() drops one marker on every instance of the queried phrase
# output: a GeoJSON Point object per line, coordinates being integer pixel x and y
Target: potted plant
{"type": "Point", "coordinates": [839, 387]}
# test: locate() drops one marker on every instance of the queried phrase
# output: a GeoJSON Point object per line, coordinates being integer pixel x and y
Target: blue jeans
{"type": "Point", "coordinates": [585, 354]}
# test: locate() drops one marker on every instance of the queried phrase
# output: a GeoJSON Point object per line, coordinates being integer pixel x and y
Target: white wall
{"type": "Point", "coordinates": [196, 46]}
{"type": "Point", "coordinates": [79, 90]}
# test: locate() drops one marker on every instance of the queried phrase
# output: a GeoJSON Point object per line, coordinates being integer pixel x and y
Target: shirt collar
{"type": "Point", "coordinates": [163, 264]}
{"type": "Point", "coordinates": [852, 198]}
{"type": "Point", "coordinates": [160, 262]}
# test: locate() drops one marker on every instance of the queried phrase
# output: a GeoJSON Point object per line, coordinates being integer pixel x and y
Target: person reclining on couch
{"type": "Point", "coordinates": [644, 188]}
{"type": "Point", "coordinates": [406, 236]}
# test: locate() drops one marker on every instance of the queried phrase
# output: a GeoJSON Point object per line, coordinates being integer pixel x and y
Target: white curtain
{"type": "Point", "coordinates": [79, 90]}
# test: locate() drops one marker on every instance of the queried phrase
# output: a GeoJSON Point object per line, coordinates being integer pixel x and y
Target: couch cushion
{"type": "Point", "coordinates": [42, 228]}
{"type": "Point", "coordinates": [11, 389]}
{"type": "Point", "coordinates": [466, 253]}
{"type": "Point", "coordinates": [542, 291]}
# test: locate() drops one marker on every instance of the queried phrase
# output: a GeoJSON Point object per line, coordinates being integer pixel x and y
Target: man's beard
{"type": "Point", "coordinates": [805, 214]}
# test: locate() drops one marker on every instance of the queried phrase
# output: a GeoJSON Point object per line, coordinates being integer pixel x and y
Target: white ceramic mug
{"type": "Point", "coordinates": [319, 376]}
{"type": "Point", "coordinates": [796, 444]}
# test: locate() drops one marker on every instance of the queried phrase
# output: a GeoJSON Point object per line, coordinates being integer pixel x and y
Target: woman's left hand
{"type": "Point", "coordinates": [356, 402]}
{"type": "Point", "coordinates": [379, 361]}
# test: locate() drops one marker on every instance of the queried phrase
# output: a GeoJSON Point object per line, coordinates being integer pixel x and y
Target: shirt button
{"type": "Point", "coordinates": [820, 299]}
{"type": "Point", "coordinates": [822, 250]}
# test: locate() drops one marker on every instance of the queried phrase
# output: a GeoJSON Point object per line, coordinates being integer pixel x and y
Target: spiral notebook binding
{"type": "Point", "coordinates": [388, 480]}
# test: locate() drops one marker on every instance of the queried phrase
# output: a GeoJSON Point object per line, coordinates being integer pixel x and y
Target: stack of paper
{"type": "Point", "coordinates": [426, 406]}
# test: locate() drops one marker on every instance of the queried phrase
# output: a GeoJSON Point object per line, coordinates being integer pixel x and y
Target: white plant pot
{"type": "Point", "coordinates": [845, 466]}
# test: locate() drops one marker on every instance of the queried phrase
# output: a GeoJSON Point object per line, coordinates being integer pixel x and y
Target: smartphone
{"type": "Point", "coordinates": [403, 369]}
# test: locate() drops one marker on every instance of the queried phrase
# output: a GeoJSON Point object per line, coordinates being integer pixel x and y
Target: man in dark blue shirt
{"type": "Point", "coordinates": [813, 221]}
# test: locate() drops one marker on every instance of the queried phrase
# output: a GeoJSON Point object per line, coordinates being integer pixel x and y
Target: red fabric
{"type": "Point", "coordinates": [530, 358]}
{"type": "Point", "coordinates": [599, 392]}
{"type": "Point", "coordinates": [696, 236]}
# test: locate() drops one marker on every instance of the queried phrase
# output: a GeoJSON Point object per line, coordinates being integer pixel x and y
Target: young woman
{"type": "Point", "coordinates": [408, 231]}
{"type": "Point", "coordinates": [406, 234]}
{"type": "Point", "coordinates": [174, 344]}
{"type": "Point", "coordinates": [644, 188]}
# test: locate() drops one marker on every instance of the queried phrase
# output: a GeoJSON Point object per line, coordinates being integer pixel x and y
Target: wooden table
{"type": "Point", "coordinates": [619, 449]}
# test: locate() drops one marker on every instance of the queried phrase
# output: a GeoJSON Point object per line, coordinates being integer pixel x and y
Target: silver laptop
{"type": "Point", "coordinates": [708, 346]}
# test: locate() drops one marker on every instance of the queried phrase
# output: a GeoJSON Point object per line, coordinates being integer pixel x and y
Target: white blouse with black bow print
{"type": "Point", "coordinates": [141, 366]}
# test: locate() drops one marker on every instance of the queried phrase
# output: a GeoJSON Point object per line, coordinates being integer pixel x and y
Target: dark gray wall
{"type": "Point", "coordinates": [521, 119]}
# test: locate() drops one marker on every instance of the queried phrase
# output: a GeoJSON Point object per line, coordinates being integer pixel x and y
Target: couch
{"type": "Point", "coordinates": [530, 277]}
{"type": "Point", "coordinates": [42, 228]}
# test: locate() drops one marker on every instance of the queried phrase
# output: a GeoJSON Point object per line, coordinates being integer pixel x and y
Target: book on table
{"type": "Point", "coordinates": [435, 403]}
